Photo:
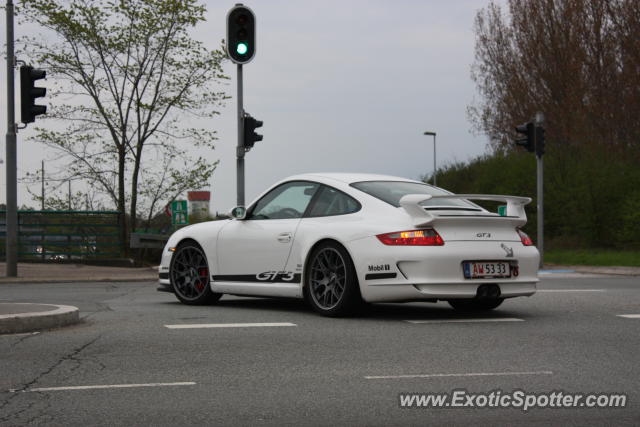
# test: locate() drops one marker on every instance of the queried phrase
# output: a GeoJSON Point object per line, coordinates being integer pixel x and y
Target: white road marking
{"type": "Point", "coordinates": [555, 271]}
{"type": "Point", "coordinates": [571, 290]}
{"type": "Point", "coordinates": [23, 334]}
{"type": "Point", "coordinates": [630, 316]}
{"type": "Point", "coordinates": [473, 374]}
{"type": "Point", "coordinates": [227, 325]}
{"type": "Point", "coordinates": [105, 386]}
{"type": "Point", "coordinates": [497, 319]}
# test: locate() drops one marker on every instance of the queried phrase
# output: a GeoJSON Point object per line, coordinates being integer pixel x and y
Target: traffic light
{"type": "Point", "coordinates": [250, 135]}
{"type": "Point", "coordinates": [529, 141]}
{"type": "Point", "coordinates": [539, 141]}
{"type": "Point", "coordinates": [28, 93]}
{"type": "Point", "coordinates": [241, 34]}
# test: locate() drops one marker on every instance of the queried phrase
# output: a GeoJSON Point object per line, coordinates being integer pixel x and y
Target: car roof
{"type": "Point", "coordinates": [349, 178]}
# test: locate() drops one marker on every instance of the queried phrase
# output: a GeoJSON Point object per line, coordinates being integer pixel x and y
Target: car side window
{"type": "Point", "coordinates": [289, 200]}
{"type": "Point", "coordinates": [331, 202]}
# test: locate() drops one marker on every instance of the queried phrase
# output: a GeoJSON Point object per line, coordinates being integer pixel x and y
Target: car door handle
{"type": "Point", "coordinates": [284, 237]}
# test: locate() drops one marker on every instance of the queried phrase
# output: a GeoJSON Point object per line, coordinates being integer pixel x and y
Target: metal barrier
{"type": "Point", "coordinates": [65, 235]}
{"type": "Point", "coordinates": [148, 240]}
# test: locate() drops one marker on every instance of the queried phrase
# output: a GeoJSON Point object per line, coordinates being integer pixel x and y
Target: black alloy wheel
{"type": "Point", "coordinates": [189, 275]}
{"type": "Point", "coordinates": [331, 284]}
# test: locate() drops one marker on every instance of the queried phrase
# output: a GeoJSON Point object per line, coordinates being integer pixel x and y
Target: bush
{"type": "Point", "coordinates": [628, 231]}
{"type": "Point", "coordinates": [592, 197]}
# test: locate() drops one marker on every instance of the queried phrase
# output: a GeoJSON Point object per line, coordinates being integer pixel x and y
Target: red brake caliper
{"type": "Point", "coordinates": [203, 273]}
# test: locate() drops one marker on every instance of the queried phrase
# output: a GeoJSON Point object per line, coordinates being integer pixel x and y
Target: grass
{"type": "Point", "coordinates": [600, 257]}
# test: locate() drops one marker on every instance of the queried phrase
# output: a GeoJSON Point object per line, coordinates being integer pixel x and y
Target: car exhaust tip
{"type": "Point", "coordinates": [489, 290]}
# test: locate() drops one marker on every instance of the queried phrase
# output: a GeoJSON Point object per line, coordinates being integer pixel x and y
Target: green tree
{"type": "Point", "coordinates": [129, 78]}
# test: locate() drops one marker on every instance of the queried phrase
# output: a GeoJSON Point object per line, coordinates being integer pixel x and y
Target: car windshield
{"type": "Point", "coordinates": [392, 191]}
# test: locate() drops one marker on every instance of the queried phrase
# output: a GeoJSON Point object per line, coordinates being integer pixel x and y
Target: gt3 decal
{"type": "Point", "coordinates": [264, 277]}
{"type": "Point", "coordinates": [273, 276]}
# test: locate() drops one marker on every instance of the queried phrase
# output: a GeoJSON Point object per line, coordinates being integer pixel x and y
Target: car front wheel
{"type": "Point", "coordinates": [189, 275]}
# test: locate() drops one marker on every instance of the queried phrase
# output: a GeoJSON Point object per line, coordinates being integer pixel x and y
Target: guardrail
{"type": "Point", "coordinates": [65, 235]}
{"type": "Point", "coordinates": [148, 240]}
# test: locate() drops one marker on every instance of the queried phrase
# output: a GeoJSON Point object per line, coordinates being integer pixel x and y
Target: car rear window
{"type": "Point", "coordinates": [392, 191]}
{"type": "Point", "coordinates": [333, 202]}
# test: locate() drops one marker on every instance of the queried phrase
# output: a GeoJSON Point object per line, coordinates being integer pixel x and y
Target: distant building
{"type": "Point", "coordinates": [199, 203]}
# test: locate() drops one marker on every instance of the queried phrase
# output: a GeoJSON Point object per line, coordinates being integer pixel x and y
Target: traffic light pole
{"type": "Point", "coordinates": [539, 181]}
{"type": "Point", "coordinates": [240, 147]}
{"type": "Point", "coordinates": [12, 190]}
{"type": "Point", "coordinates": [540, 209]}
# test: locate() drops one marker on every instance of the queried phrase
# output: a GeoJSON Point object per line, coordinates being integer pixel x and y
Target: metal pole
{"type": "Point", "coordinates": [540, 197]}
{"type": "Point", "coordinates": [434, 159]}
{"type": "Point", "coordinates": [69, 194]}
{"type": "Point", "coordinates": [42, 207]}
{"type": "Point", "coordinates": [540, 210]}
{"type": "Point", "coordinates": [240, 147]}
{"type": "Point", "coordinates": [42, 204]}
{"type": "Point", "coordinates": [12, 181]}
{"type": "Point", "coordinates": [433, 134]}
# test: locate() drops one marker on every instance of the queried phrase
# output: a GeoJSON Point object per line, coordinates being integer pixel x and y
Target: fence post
{"type": "Point", "coordinates": [120, 240]}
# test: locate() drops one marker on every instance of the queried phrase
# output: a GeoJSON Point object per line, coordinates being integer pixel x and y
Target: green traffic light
{"type": "Point", "coordinates": [242, 48]}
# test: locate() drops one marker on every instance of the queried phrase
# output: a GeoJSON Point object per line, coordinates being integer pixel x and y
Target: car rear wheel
{"type": "Point", "coordinates": [475, 304]}
{"type": "Point", "coordinates": [331, 285]}
{"type": "Point", "coordinates": [189, 275]}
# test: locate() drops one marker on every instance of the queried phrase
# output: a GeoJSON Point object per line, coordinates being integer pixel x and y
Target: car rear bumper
{"type": "Point", "coordinates": [414, 273]}
{"type": "Point", "coordinates": [403, 292]}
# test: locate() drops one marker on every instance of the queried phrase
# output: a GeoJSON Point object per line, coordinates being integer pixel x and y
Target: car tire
{"type": "Point", "coordinates": [330, 281]}
{"type": "Point", "coordinates": [475, 304]}
{"type": "Point", "coordinates": [190, 276]}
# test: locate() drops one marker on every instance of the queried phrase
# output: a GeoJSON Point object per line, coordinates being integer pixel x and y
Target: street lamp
{"type": "Point", "coordinates": [433, 134]}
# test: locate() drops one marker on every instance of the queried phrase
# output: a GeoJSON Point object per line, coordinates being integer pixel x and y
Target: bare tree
{"type": "Point", "coordinates": [577, 61]}
{"type": "Point", "coordinates": [129, 80]}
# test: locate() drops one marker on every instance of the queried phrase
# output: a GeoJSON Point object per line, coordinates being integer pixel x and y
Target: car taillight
{"type": "Point", "coordinates": [524, 238]}
{"type": "Point", "coordinates": [425, 237]}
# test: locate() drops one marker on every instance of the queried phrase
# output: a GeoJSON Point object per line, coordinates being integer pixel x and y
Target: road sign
{"type": "Point", "coordinates": [179, 212]}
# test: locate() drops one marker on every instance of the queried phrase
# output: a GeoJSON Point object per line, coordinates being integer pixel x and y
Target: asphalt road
{"type": "Point", "coordinates": [317, 371]}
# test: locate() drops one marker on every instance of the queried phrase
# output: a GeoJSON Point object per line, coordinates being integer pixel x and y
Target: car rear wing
{"type": "Point", "coordinates": [515, 207]}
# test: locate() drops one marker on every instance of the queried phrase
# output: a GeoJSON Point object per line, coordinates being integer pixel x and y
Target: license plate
{"type": "Point", "coordinates": [486, 270]}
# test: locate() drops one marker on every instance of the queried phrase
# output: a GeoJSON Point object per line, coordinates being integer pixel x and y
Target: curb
{"type": "Point", "coordinates": [616, 271]}
{"type": "Point", "coordinates": [589, 269]}
{"type": "Point", "coordinates": [37, 317]}
{"type": "Point", "coordinates": [28, 280]}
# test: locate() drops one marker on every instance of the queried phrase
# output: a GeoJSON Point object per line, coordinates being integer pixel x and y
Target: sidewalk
{"type": "Point", "coordinates": [622, 271]}
{"type": "Point", "coordinates": [53, 273]}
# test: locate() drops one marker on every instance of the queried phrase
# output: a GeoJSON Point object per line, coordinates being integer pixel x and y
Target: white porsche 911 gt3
{"type": "Point", "coordinates": [338, 240]}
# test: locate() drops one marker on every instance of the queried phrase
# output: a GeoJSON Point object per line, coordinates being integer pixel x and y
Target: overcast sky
{"type": "Point", "coordinates": [341, 86]}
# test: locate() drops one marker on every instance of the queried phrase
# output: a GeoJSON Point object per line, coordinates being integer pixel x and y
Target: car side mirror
{"type": "Point", "coordinates": [239, 212]}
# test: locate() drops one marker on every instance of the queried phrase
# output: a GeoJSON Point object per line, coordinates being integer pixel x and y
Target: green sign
{"type": "Point", "coordinates": [502, 210]}
{"type": "Point", "coordinates": [179, 212]}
